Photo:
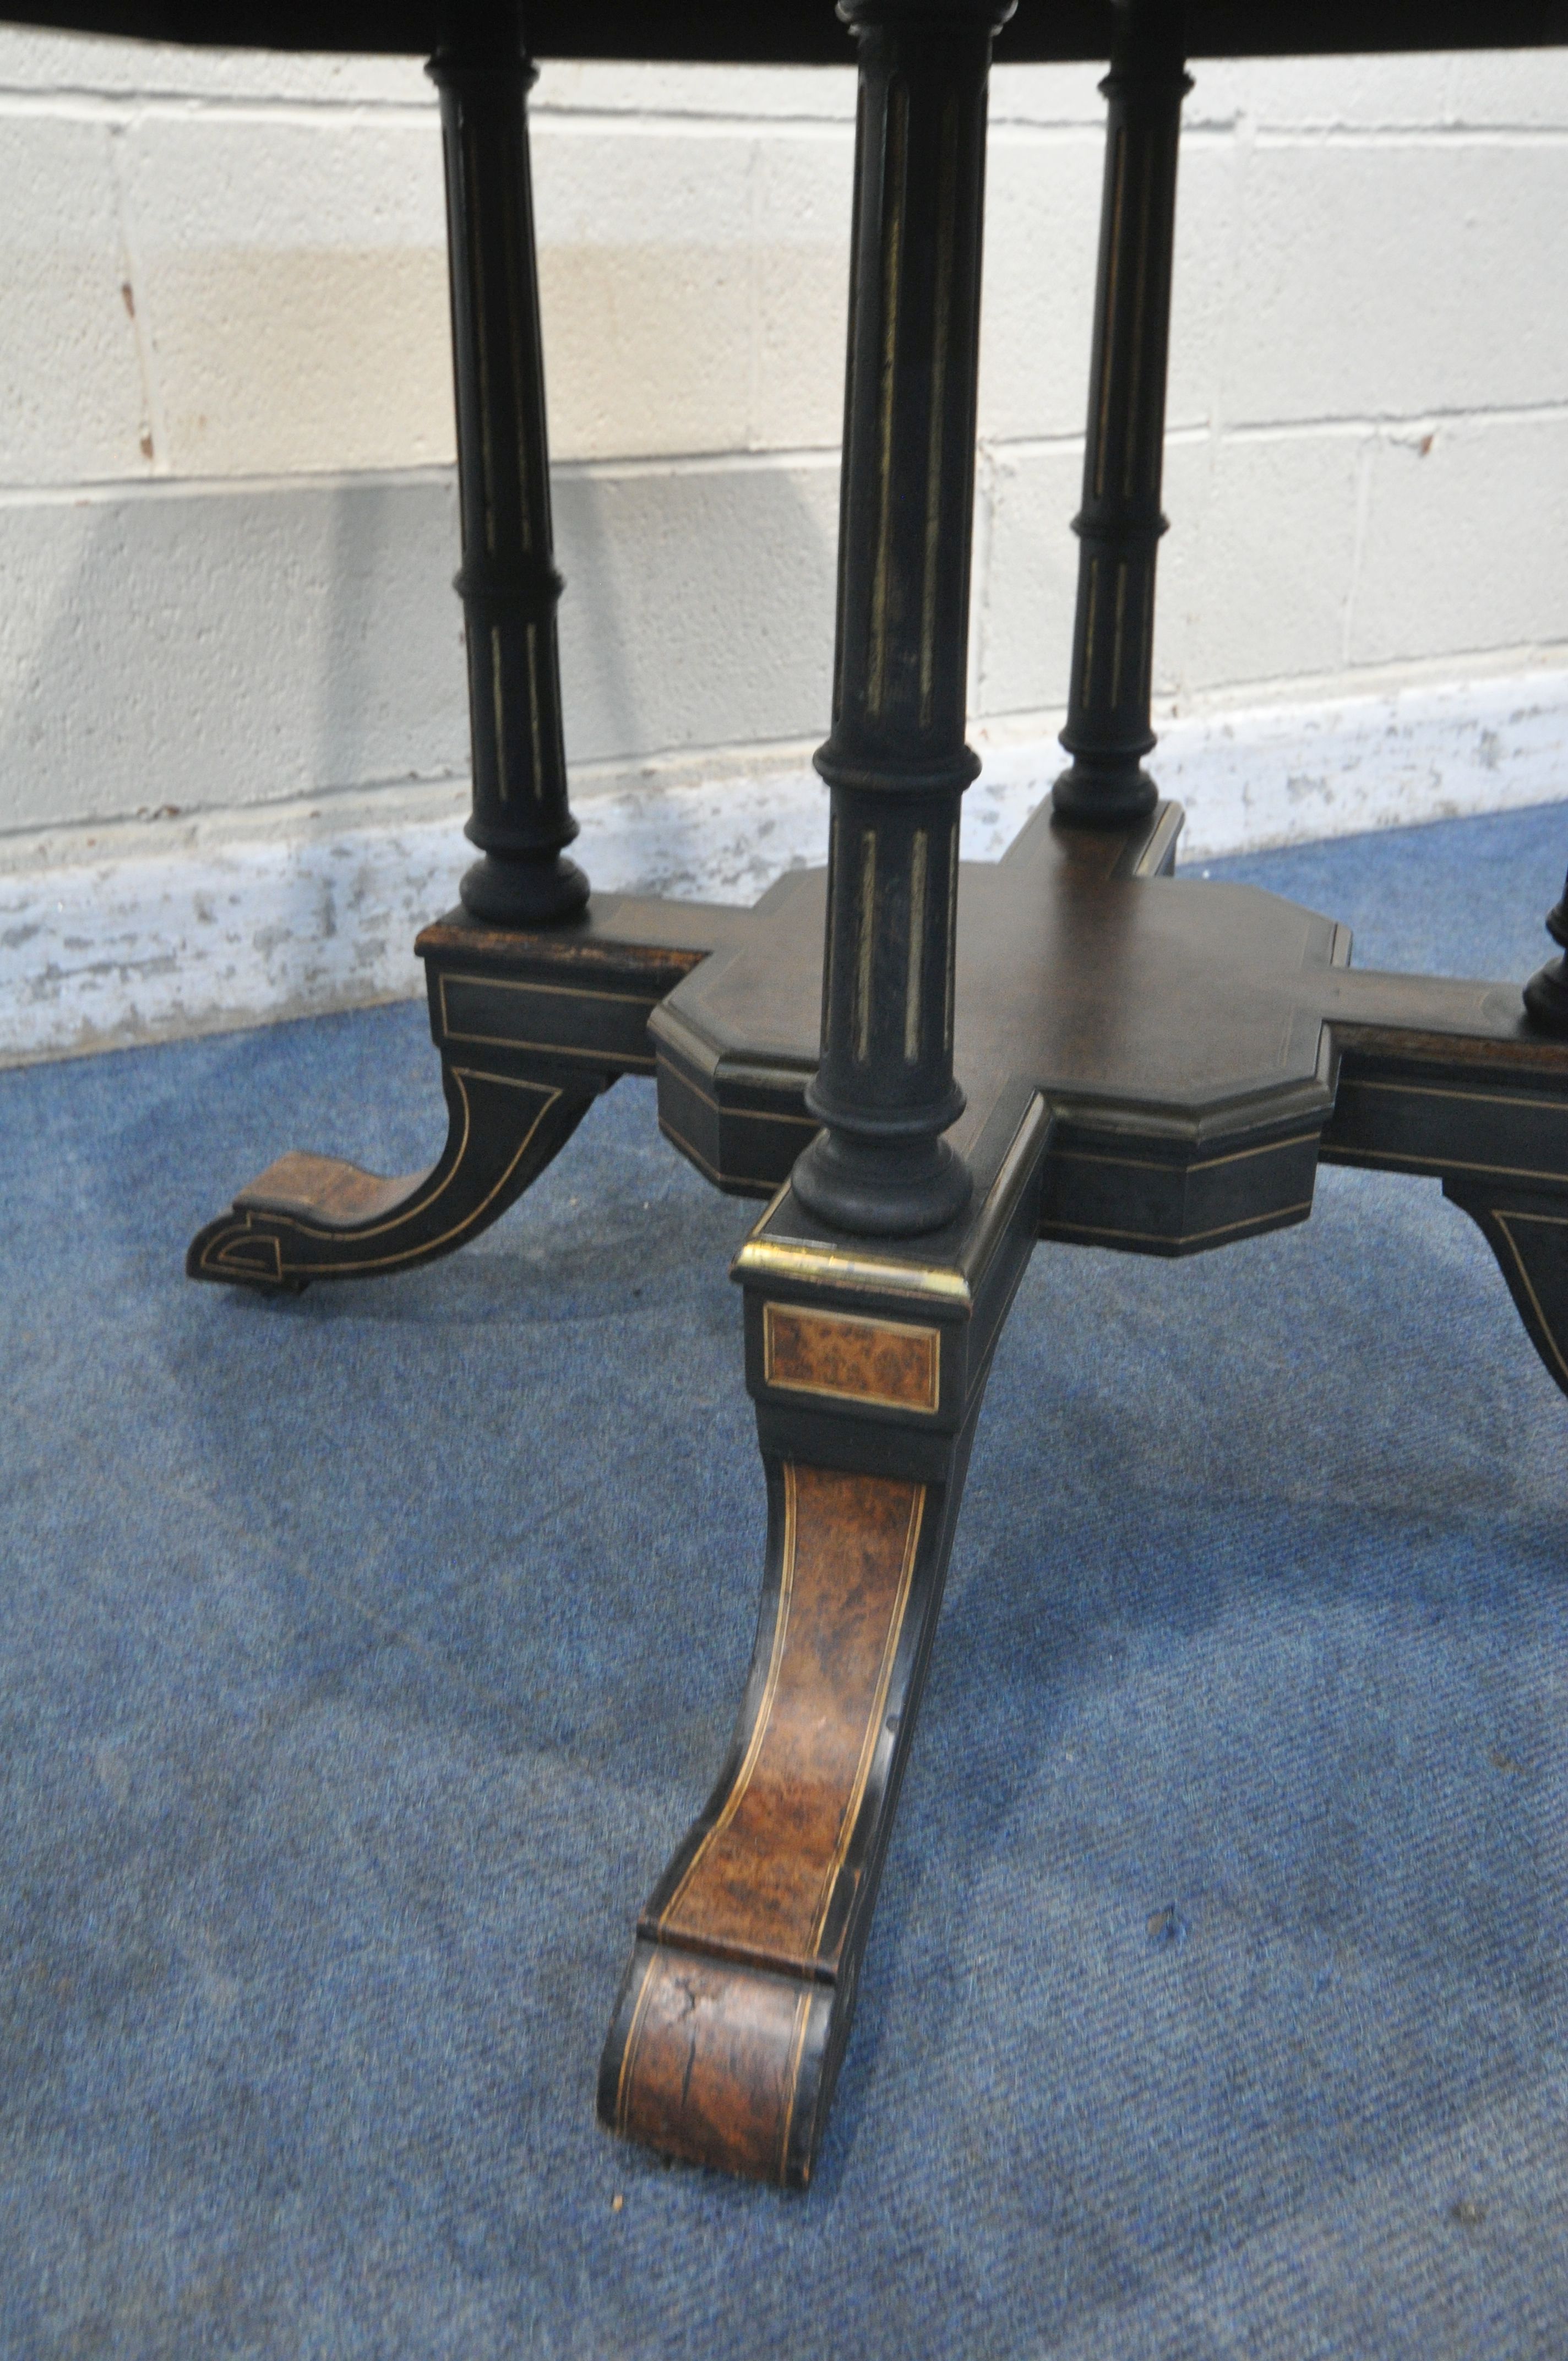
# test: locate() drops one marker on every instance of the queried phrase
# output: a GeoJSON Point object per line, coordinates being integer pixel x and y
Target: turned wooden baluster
{"type": "Point", "coordinates": [1120, 523]}
{"type": "Point", "coordinates": [896, 760]}
{"type": "Point", "coordinates": [521, 819]}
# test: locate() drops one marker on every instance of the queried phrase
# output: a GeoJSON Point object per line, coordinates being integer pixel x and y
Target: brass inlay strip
{"type": "Point", "coordinates": [1118, 644]}
{"type": "Point", "coordinates": [564, 991]}
{"type": "Point", "coordinates": [1004, 1190]}
{"type": "Point", "coordinates": [792, 2078]}
{"type": "Point", "coordinates": [517, 174]}
{"type": "Point", "coordinates": [627, 1058]}
{"type": "Point", "coordinates": [947, 211]}
{"type": "Point", "coordinates": [1091, 606]}
{"type": "Point", "coordinates": [633, 2039]}
{"type": "Point", "coordinates": [1052, 1225]}
{"type": "Point", "coordinates": [224, 1254]}
{"type": "Point", "coordinates": [1436, 1161]}
{"type": "Point", "coordinates": [866, 947]}
{"type": "Point", "coordinates": [531, 643]}
{"type": "Point", "coordinates": [832, 874]}
{"type": "Point", "coordinates": [1140, 339]}
{"type": "Point", "coordinates": [498, 708]}
{"type": "Point", "coordinates": [833, 1324]}
{"type": "Point", "coordinates": [791, 1259]}
{"type": "Point", "coordinates": [719, 1179]}
{"type": "Point", "coordinates": [1529, 1100]}
{"type": "Point", "coordinates": [469, 150]}
{"type": "Point", "coordinates": [913, 979]}
{"type": "Point", "coordinates": [895, 185]}
{"type": "Point", "coordinates": [1165, 829]}
{"type": "Point", "coordinates": [1553, 1221]}
{"type": "Point", "coordinates": [830, 1265]}
{"type": "Point", "coordinates": [952, 936]}
{"type": "Point", "coordinates": [1156, 1164]}
{"type": "Point", "coordinates": [594, 1051]}
{"type": "Point", "coordinates": [1113, 274]}
{"type": "Point", "coordinates": [680, 1076]}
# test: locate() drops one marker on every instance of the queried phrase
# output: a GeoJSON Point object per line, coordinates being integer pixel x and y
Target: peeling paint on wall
{"type": "Point", "coordinates": [207, 927]}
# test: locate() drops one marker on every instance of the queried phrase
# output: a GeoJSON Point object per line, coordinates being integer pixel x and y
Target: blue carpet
{"type": "Point", "coordinates": [364, 1655]}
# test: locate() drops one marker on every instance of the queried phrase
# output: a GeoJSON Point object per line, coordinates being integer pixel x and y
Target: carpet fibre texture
{"type": "Point", "coordinates": [363, 1656]}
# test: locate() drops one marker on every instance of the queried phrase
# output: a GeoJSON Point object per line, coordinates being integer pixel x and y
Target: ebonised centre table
{"type": "Point", "coordinates": [923, 1067]}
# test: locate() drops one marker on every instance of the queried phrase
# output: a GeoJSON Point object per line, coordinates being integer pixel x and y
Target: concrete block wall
{"type": "Point", "coordinates": [227, 527]}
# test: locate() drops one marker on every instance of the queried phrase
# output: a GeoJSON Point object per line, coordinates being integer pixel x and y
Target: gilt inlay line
{"type": "Point", "coordinates": [530, 642]}
{"type": "Point", "coordinates": [932, 574]}
{"type": "Point", "coordinates": [461, 1076]}
{"type": "Point", "coordinates": [634, 2041]}
{"type": "Point", "coordinates": [498, 701]}
{"type": "Point", "coordinates": [1103, 439]}
{"type": "Point", "coordinates": [1552, 1221]}
{"type": "Point", "coordinates": [867, 946]}
{"type": "Point", "coordinates": [918, 860]}
{"type": "Point", "coordinates": [792, 2080]}
{"type": "Point", "coordinates": [897, 132]}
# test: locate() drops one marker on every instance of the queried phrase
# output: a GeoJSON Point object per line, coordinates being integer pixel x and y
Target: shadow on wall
{"type": "Point", "coordinates": [213, 649]}
{"type": "Point", "coordinates": [699, 603]}
{"type": "Point", "coordinates": [208, 649]}
{"type": "Point", "coordinates": [358, 555]}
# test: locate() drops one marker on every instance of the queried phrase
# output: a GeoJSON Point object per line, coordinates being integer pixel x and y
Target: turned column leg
{"type": "Point", "coordinates": [532, 1016]}
{"type": "Point", "coordinates": [521, 819]}
{"type": "Point", "coordinates": [1120, 523]}
{"type": "Point", "coordinates": [896, 762]}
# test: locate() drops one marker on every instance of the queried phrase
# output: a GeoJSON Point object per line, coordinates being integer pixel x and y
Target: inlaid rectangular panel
{"type": "Point", "coordinates": [889, 1363]}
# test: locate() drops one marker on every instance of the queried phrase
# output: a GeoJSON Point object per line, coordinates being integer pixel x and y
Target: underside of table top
{"type": "Point", "coordinates": [807, 32]}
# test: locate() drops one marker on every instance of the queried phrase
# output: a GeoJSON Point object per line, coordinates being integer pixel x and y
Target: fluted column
{"type": "Point", "coordinates": [521, 819]}
{"type": "Point", "coordinates": [1120, 523]}
{"type": "Point", "coordinates": [896, 762]}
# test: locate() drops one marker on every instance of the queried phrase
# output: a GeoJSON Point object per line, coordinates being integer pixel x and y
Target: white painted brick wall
{"type": "Point", "coordinates": [226, 520]}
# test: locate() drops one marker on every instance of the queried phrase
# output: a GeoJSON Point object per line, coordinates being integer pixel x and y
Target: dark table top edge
{"type": "Point", "coordinates": [807, 32]}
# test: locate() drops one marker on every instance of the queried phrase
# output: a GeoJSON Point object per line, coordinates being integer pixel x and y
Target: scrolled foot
{"type": "Point", "coordinates": [317, 1217]}
{"type": "Point", "coordinates": [737, 2005]}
